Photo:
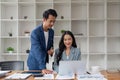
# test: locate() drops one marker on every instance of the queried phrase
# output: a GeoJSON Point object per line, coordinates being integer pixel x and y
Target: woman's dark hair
{"type": "Point", "coordinates": [49, 12]}
{"type": "Point", "coordinates": [62, 46]}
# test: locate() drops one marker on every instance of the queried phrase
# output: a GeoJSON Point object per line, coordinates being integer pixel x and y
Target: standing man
{"type": "Point", "coordinates": [42, 43]}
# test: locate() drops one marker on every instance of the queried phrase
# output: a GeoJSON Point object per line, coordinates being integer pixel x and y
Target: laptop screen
{"type": "Point", "coordinates": [72, 67]}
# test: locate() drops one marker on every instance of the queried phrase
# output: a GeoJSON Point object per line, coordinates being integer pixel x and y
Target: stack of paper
{"type": "Point", "coordinates": [18, 76]}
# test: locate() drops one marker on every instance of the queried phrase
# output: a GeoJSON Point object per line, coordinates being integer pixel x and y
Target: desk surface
{"type": "Point", "coordinates": [109, 76]}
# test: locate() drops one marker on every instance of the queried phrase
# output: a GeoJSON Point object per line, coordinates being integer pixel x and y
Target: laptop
{"type": "Point", "coordinates": [72, 67]}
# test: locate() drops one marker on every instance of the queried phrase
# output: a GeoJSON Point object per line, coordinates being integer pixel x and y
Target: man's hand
{"type": "Point", "coordinates": [45, 71]}
{"type": "Point", "coordinates": [51, 51]}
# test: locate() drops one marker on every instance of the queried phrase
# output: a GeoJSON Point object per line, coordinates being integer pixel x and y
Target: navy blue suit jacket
{"type": "Point", "coordinates": [38, 52]}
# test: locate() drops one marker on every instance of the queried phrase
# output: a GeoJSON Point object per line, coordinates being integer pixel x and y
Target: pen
{"type": "Point", "coordinates": [88, 72]}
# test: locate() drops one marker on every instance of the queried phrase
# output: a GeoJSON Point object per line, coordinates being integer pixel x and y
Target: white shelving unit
{"type": "Point", "coordinates": [113, 34]}
{"type": "Point", "coordinates": [95, 24]}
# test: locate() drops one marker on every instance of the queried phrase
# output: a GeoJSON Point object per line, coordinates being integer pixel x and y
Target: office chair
{"type": "Point", "coordinates": [12, 65]}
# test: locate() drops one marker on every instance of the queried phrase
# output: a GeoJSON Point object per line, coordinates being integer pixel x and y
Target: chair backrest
{"type": "Point", "coordinates": [12, 65]}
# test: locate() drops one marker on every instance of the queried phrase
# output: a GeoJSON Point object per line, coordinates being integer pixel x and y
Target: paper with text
{"type": "Point", "coordinates": [18, 76]}
{"type": "Point", "coordinates": [69, 76]}
{"type": "Point", "coordinates": [46, 76]}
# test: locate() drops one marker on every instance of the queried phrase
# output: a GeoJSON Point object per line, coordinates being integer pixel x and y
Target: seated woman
{"type": "Point", "coordinates": [67, 50]}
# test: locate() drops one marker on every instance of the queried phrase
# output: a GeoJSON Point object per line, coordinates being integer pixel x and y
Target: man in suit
{"type": "Point", "coordinates": [42, 43]}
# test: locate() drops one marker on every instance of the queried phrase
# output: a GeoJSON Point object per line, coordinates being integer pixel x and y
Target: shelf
{"type": "Point", "coordinates": [8, 42]}
{"type": "Point", "coordinates": [79, 27]}
{"type": "Point", "coordinates": [56, 40]}
{"type": "Point", "coordinates": [15, 54]}
{"type": "Point", "coordinates": [61, 8]}
{"type": "Point", "coordinates": [23, 45]}
{"type": "Point", "coordinates": [97, 53]}
{"type": "Point", "coordinates": [82, 44]}
{"type": "Point", "coordinates": [98, 60]}
{"type": "Point", "coordinates": [8, 27]}
{"type": "Point", "coordinates": [10, 54]}
{"type": "Point", "coordinates": [96, 10]}
{"type": "Point", "coordinates": [80, 9]}
{"type": "Point", "coordinates": [79, 1]}
{"type": "Point", "coordinates": [113, 53]}
{"type": "Point", "coordinates": [8, 37]}
{"type": "Point", "coordinates": [25, 26]}
{"type": "Point", "coordinates": [11, 57]}
{"type": "Point", "coordinates": [45, 1]}
{"type": "Point", "coordinates": [97, 1]}
{"type": "Point", "coordinates": [26, 11]}
{"type": "Point", "coordinates": [26, 4]}
{"type": "Point", "coordinates": [84, 53]}
{"type": "Point", "coordinates": [113, 62]}
{"type": "Point", "coordinates": [40, 8]}
{"type": "Point", "coordinates": [61, 1]}
{"type": "Point", "coordinates": [113, 1]}
{"type": "Point", "coordinates": [24, 37]}
{"type": "Point", "coordinates": [24, 54]}
{"type": "Point", "coordinates": [113, 10]}
{"type": "Point", "coordinates": [26, 1]}
{"type": "Point", "coordinates": [113, 19]}
{"type": "Point", "coordinates": [113, 31]}
{"type": "Point", "coordinates": [84, 58]}
{"type": "Point", "coordinates": [10, 20]}
{"type": "Point", "coordinates": [9, 11]}
{"type": "Point", "coordinates": [9, 1]}
{"type": "Point", "coordinates": [38, 22]}
{"type": "Point", "coordinates": [61, 25]}
{"type": "Point", "coordinates": [97, 45]}
{"type": "Point", "coordinates": [97, 28]}
{"type": "Point", "coordinates": [113, 45]}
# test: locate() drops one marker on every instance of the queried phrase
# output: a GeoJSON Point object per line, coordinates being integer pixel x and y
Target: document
{"type": "Point", "coordinates": [69, 76]}
{"type": "Point", "coordinates": [90, 77]}
{"type": "Point", "coordinates": [18, 76]}
{"type": "Point", "coordinates": [46, 76]}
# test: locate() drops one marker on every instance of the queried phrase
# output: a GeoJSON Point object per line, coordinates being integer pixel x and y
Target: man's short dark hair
{"type": "Point", "coordinates": [49, 12]}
